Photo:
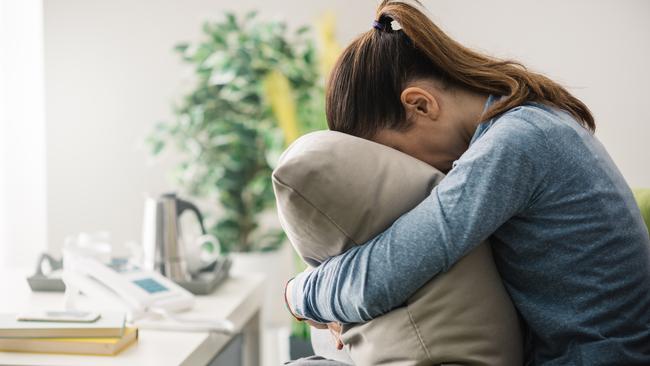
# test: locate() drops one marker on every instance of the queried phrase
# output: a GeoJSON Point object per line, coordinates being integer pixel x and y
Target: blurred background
{"type": "Point", "coordinates": [103, 103]}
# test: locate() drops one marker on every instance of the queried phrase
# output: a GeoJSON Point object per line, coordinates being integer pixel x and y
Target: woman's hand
{"type": "Point", "coordinates": [335, 329]}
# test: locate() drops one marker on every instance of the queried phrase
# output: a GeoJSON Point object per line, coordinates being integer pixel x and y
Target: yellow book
{"type": "Point", "coordinates": [108, 325]}
{"type": "Point", "coordinates": [80, 346]}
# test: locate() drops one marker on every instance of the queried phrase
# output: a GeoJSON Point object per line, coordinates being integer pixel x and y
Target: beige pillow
{"type": "Point", "coordinates": [334, 191]}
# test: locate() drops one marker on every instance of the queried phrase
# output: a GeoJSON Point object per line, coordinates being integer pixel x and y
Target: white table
{"type": "Point", "coordinates": [238, 299]}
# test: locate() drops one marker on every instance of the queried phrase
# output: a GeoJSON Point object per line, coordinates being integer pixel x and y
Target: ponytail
{"type": "Point", "coordinates": [404, 44]}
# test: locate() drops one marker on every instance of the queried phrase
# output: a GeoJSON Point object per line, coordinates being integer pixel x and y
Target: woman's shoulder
{"type": "Point", "coordinates": [538, 118]}
{"type": "Point", "coordinates": [523, 126]}
{"type": "Point", "coordinates": [534, 126]}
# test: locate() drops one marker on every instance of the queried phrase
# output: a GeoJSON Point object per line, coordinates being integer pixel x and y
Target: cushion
{"type": "Point", "coordinates": [335, 191]}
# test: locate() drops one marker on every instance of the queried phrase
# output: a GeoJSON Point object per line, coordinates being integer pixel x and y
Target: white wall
{"type": "Point", "coordinates": [111, 74]}
{"type": "Point", "coordinates": [23, 223]}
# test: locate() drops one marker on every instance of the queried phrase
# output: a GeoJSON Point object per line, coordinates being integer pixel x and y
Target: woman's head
{"type": "Point", "coordinates": [405, 71]}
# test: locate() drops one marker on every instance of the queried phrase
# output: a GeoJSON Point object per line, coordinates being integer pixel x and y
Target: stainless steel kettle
{"type": "Point", "coordinates": [163, 246]}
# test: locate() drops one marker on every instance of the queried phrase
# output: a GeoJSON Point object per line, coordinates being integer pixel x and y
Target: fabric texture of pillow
{"type": "Point", "coordinates": [335, 191]}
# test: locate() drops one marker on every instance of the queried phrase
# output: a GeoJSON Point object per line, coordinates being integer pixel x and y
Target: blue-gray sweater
{"type": "Point", "coordinates": [567, 236]}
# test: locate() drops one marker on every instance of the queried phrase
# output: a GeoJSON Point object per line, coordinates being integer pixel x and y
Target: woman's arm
{"type": "Point", "coordinates": [494, 180]}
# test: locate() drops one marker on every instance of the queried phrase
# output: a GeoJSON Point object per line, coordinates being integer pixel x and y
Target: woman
{"type": "Point", "coordinates": [523, 167]}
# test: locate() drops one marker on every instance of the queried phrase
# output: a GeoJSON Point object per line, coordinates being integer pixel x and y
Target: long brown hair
{"type": "Point", "coordinates": [364, 89]}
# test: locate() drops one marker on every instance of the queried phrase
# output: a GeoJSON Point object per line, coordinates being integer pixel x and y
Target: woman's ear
{"type": "Point", "coordinates": [419, 102]}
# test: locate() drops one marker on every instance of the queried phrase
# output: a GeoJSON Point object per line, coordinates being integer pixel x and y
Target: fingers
{"type": "Point", "coordinates": [315, 324]}
{"type": "Point", "coordinates": [335, 329]}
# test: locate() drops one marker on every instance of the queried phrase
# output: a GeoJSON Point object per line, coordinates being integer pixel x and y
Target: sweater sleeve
{"type": "Point", "coordinates": [494, 180]}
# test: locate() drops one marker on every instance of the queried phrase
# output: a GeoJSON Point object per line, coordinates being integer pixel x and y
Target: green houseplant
{"type": "Point", "coordinates": [257, 87]}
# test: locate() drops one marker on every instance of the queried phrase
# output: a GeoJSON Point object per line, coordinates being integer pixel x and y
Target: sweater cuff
{"type": "Point", "coordinates": [297, 297]}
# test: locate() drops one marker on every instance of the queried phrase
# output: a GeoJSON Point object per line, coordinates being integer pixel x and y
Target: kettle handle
{"type": "Point", "coordinates": [181, 206]}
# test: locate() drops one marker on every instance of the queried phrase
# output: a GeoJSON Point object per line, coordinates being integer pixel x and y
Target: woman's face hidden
{"type": "Point", "coordinates": [441, 124]}
{"type": "Point", "coordinates": [430, 143]}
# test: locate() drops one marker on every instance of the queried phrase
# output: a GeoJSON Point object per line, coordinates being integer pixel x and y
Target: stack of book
{"type": "Point", "coordinates": [105, 336]}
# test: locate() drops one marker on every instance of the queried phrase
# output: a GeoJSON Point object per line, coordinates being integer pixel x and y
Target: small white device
{"type": "Point", "coordinates": [149, 299]}
{"type": "Point", "coordinates": [142, 292]}
{"type": "Point", "coordinates": [66, 316]}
